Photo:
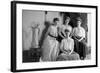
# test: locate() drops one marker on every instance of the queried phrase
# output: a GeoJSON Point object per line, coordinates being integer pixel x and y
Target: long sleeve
{"type": "Point", "coordinates": [72, 44]}
{"type": "Point", "coordinates": [83, 32]}
{"type": "Point", "coordinates": [73, 32]}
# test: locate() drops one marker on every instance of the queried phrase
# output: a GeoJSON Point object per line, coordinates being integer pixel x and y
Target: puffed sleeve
{"type": "Point", "coordinates": [83, 32]}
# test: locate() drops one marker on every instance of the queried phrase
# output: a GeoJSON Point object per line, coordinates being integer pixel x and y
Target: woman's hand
{"type": "Point", "coordinates": [61, 33]}
{"type": "Point", "coordinates": [67, 52]}
{"type": "Point", "coordinates": [78, 38]}
{"type": "Point", "coordinates": [70, 53]}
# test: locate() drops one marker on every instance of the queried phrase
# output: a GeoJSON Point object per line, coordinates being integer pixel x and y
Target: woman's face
{"type": "Point", "coordinates": [67, 33]}
{"type": "Point", "coordinates": [67, 21]}
{"type": "Point", "coordinates": [78, 23]}
{"type": "Point", "coordinates": [56, 22]}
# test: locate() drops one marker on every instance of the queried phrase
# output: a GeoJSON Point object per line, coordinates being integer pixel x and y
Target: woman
{"type": "Point", "coordinates": [79, 38]}
{"type": "Point", "coordinates": [50, 44]}
{"type": "Point", "coordinates": [67, 48]}
{"type": "Point", "coordinates": [62, 28]}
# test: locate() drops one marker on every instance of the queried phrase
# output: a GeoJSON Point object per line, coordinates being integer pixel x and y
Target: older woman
{"type": "Point", "coordinates": [50, 44]}
{"type": "Point", "coordinates": [67, 48]}
{"type": "Point", "coordinates": [79, 38]}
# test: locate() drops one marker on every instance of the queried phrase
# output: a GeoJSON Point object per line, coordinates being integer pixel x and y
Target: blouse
{"type": "Point", "coordinates": [67, 44]}
{"type": "Point", "coordinates": [79, 31]}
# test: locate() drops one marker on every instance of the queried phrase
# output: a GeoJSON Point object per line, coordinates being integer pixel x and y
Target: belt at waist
{"type": "Point", "coordinates": [52, 36]}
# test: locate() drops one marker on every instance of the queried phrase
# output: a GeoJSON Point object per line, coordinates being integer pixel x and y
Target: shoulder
{"type": "Point", "coordinates": [62, 25]}
{"type": "Point", "coordinates": [82, 28]}
{"type": "Point", "coordinates": [71, 39]}
{"type": "Point", "coordinates": [63, 40]}
{"type": "Point", "coordinates": [69, 26]}
{"type": "Point", "coordinates": [51, 26]}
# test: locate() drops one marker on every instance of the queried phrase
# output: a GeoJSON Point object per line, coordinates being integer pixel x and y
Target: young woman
{"type": "Point", "coordinates": [50, 44]}
{"type": "Point", "coordinates": [79, 38]}
{"type": "Point", "coordinates": [62, 28]}
{"type": "Point", "coordinates": [67, 48]}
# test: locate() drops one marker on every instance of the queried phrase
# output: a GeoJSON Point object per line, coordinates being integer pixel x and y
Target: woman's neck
{"type": "Point", "coordinates": [67, 24]}
{"type": "Point", "coordinates": [79, 26]}
{"type": "Point", "coordinates": [67, 37]}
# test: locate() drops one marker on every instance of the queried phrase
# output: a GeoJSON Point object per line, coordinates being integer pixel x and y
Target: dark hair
{"type": "Point", "coordinates": [55, 19]}
{"type": "Point", "coordinates": [78, 19]}
{"type": "Point", "coordinates": [67, 17]}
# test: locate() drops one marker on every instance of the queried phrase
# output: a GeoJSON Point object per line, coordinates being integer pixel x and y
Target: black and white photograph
{"type": "Point", "coordinates": [53, 36]}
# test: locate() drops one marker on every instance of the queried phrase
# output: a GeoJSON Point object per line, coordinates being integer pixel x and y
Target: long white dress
{"type": "Point", "coordinates": [50, 45]}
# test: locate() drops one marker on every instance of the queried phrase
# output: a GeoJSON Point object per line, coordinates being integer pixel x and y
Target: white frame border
{"type": "Point", "coordinates": [21, 66]}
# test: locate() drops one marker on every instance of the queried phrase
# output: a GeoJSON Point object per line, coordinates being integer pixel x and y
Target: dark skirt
{"type": "Point", "coordinates": [80, 48]}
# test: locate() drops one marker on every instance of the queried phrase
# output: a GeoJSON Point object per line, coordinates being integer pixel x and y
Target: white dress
{"type": "Point", "coordinates": [67, 45]}
{"type": "Point", "coordinates": [50, 45]}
